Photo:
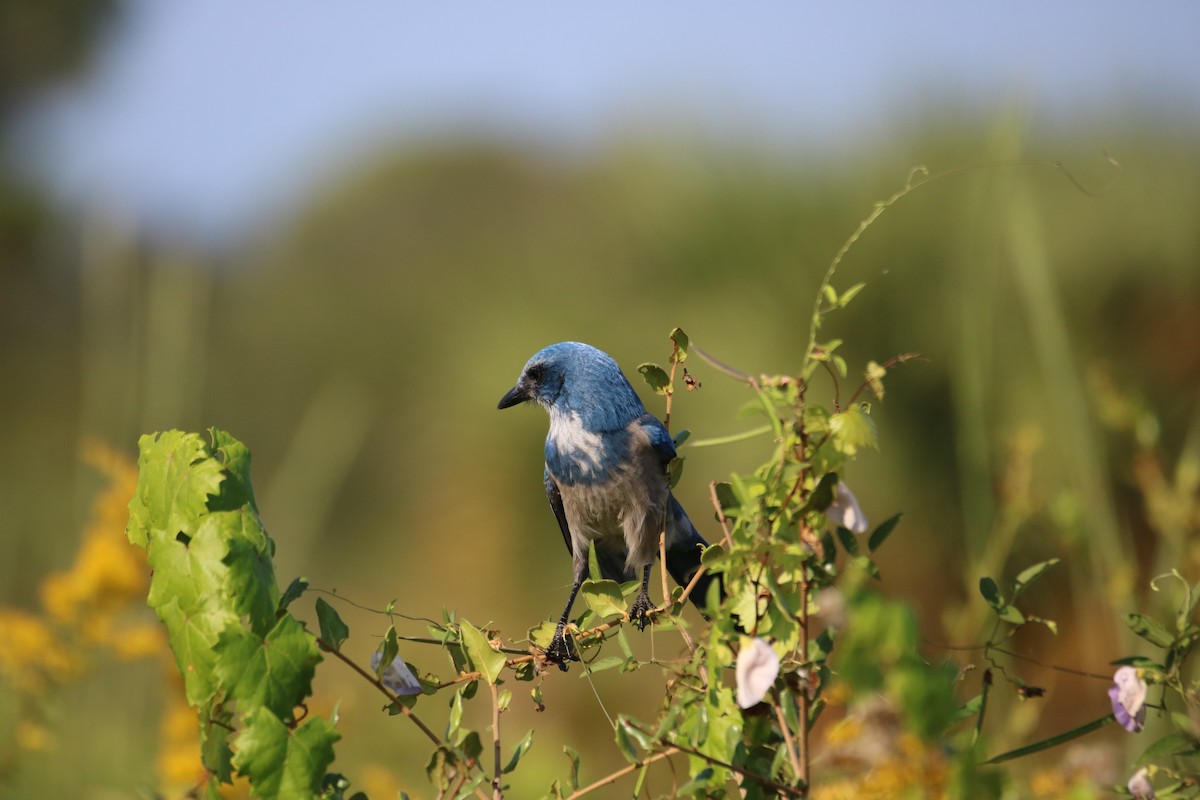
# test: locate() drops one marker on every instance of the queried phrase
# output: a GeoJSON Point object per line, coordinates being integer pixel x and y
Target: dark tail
{"type": "Point", "coordinates": [683, 557]}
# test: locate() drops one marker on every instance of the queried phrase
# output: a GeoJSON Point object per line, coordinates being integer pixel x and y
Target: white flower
{"type": "Point", "coordinates": [1128, 696]}
{"type": "Point", "coordinates": [1139, 785]}
{"type": "Point", "coordinates": [757, 666]}
{"type": "Point", "coordinates": [397, 677]}
{"type": "Point", "coordinates": [845, 511]}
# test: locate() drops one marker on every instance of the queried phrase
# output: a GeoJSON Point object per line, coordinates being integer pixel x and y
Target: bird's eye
{"type": "Point", "coordinates": [535, 372]}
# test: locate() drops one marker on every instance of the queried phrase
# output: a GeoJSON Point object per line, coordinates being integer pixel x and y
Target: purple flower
{"type": "Point", "coordinates": [396, 676]}
{"type": "Point", "coordinates": [845, 510]}
{"type": "Point", "coordinates": [1139, 785]}
{"type": "Point", "coordinates": [1128, 696]}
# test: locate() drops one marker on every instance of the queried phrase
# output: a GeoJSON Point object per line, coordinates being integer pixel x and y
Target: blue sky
{"type": "Point", "coordinates": [209, 115]}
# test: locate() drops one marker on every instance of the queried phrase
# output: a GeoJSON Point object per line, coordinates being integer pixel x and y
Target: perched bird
{"type": "Point", "coordinates": [606, 476]}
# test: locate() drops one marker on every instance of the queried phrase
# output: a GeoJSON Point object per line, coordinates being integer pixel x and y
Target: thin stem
{"type": "Point", "coordinates": [662, 563]}
{"type": "Point", "coordinates": [788, 741]}
{"type": "Point", "coordinates": [671, 384]}
{"type": "Point", "coordinates": [443, 643]}
{"type": "Point", "coordinates": [497, 794]}
{"type": "Point", "coordinates": [725, 537]}
{"type": "Point", "coordinates": [804, 700]}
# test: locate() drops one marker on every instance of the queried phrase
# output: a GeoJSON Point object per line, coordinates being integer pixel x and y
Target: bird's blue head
{"type": "Point", "coordinates": [577, 380]}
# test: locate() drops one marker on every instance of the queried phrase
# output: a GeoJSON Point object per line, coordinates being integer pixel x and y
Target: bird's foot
{"type": "Point", "coordinates": [560, 650]}
{"type": "Point", "coordinates": [639, 612]}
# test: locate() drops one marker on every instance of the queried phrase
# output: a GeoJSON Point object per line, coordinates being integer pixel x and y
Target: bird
{"type": "Point", "coordinates": [606, 477]}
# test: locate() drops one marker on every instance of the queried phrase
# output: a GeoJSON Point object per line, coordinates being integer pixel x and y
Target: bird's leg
{"type": "Point", "coordinates": [559, 652]}
{"type": "Point", "coordinates": [639, 612]}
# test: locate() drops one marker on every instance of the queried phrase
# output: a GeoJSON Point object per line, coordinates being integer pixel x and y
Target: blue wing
{"type": "Point", "coordinates": [660, 438]}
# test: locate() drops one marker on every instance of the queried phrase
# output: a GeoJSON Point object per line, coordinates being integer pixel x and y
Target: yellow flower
{"type": "Point", "coordinates": [31, 736]}
{"type": "Point", "coordinates": [31, 655]}
{"type": "Point", "coordinates": [108, 575]}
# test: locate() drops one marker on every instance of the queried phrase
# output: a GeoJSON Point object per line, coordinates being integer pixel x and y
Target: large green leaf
{"type": "Point", "coordinates": [280, 762]}
{"type": "Point", "coordinates": [275, 672]}
{"type": "Point", "coordinates": [176, 477]}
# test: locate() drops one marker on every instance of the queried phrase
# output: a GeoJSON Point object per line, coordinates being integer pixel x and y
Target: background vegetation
{"type": "Point", "coordinates": [359, 347]}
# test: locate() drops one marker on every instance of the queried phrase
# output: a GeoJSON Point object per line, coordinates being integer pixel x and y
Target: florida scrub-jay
{"type": "Point", "coordinates": [606, 476]}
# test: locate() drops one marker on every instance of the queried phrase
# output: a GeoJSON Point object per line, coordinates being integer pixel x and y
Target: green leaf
{"type": "Point", "coordinates": [850, 294]}
{"type": "Point", "coordinates": [625, 743]}
{"type": "Point", "coordinates": [293, 592]}
{"type": "Point", "coordinates": [1053, 741]}
{"type": "Point", "coordinates": [701, 782]}
{"type": "Point", "coordinates": [604, 598]}
{"type": "Point", "coordinates": [849, 542]}
{"type": "Point", "coordinates": [638, 784]}
{"type": "Point", "coordinates": [485, 658]}
{"type": "Point", "coordinates": [573, 777]}
{"type": "Point", "coordinates": [681, 437]}
{"type": "Point", "coordinates": [1030, 574]}
{"type": "Point", "coordinates": [733, 437]}
{"type": "Point", "coordinates": [176, 476]}
{"type": "Point", "coordinates": [521, 749]}
{"type": "Point", "coordinates": [333, 630]}
{"type": "Point", "coordinates": [542, 634]}
{"type": "Point", "coordinates": [234, 457]}
{"type": "Point", "coordinates": [275, 673]}
{"type": "Point", "coordinates": [192, 637]}
{"type": "Point", "coordinates": [831, 295]}
{"type": "Point", "coordinates": [852, 430]}
{"type": "Point", "coordinates": [215, 729]}
{"type": "Point", "coordinates": [681, 341]}
{"type": "Point", "coordinates": [1005, 611]}
{"type": "Point", "coordinates": [1149, 630]}
{"type": "Point", "coordinates": [675, 471]}
{"type": "Point", "coordinates": [726, 497]}
{"type": "Point", "coordinates": [1172, 744]}
{"type": "Point", "coordinates": [655, 376]}
{"type": "Point", "coordinates": [283, 763]}
{"type": "Point", "coordinates": [712, 555]}
{"type": "Point", "coordinates": [874, 375]}
{"type": "Point", "coordinates": [880, 534]}
{"type": "Point", "coordinates": [388, 649]}
{"type": "Point", "coordinates": [601, 664]}
{"type": "Point", "coordinates": [821, 496]}
{"type": "Point", "coordinates": [250, 580]}
{"type": "Point", "coordinates": [990, 592]}
{"type": "Point", "coordinates": [1011, 613]}
{"type": "Point", "coordinates": [190, 572]}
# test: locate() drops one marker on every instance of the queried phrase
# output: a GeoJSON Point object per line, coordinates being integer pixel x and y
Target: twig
{"type": "Point", "coordinates": [788, 741]}
{"type": "Point", "coordinates": [614, 777]}
{"type": "Point", "coordinates": [671, 384]}
{"type": "Point", "coordinates": [725, 537]}
{"type": "Point", "coordinates": [732, 372]}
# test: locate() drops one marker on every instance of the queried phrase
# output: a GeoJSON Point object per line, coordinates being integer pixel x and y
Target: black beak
{"type": "Point", "coordinates": [515, 396]}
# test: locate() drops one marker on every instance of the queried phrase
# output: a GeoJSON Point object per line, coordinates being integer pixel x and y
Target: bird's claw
{"type": "Point", "coordinates": [560, 652]}
{"type": "Point", "coordinates": [639, 612]}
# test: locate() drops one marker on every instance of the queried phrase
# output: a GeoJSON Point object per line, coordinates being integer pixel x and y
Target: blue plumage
{"type": "Point", "coordinates": [606, 463]}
